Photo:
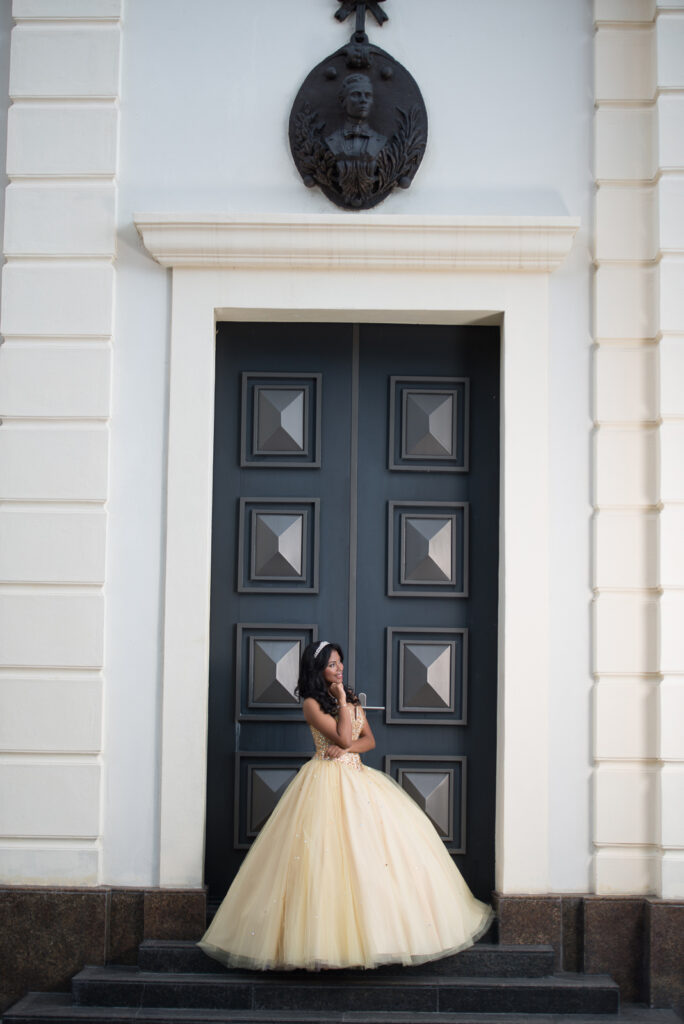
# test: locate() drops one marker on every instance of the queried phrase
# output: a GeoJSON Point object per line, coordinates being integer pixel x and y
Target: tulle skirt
{"type": "Point", "coordinates": [347, 872]}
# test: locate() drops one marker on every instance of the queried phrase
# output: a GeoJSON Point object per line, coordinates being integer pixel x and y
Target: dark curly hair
{"type": "Point", "coordinates": [311, 681]}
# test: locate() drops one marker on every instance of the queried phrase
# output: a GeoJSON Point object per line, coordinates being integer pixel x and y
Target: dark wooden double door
{"type": "Point", "coordinates": [356, 499]}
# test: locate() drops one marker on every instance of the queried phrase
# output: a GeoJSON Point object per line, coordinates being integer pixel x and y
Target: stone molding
{"type": "Point", "coordinates": [358, 241]}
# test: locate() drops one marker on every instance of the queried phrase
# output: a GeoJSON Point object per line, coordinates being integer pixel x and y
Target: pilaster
{"type": "Point", "coordinates": [55, 365]}
{"type": "Point", "coordinates": [639, 429]}
{"type": "Point", "coordinates": [669, 27]}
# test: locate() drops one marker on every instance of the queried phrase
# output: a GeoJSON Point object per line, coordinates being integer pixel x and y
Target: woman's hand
{"type": "Point", "coordinates": [334, 751]}
{"type": "Point", "coordinates": [338, 692]}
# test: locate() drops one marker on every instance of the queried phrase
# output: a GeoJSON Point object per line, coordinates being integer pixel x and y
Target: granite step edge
{"type": "Point", "coordinates": [57, 1008]}
{"type": "Point", "coordinates": [478, 947]}
{"type": "Point", "coordinates": [326, 995]}
{"type": "Point", "coordinates": [330, 979]}
{"type": "Point", "coordinates": [482, 959]}
{"type": "Point", "coordinates": [486, 948]}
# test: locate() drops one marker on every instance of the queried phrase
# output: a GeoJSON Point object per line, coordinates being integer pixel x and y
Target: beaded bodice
{"type": "Point", "coordinates": [348, 758]}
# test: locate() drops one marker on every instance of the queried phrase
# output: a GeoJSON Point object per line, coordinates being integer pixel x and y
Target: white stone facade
{"type": "Point", "coordinates": [57, 324]}
{"type": "Point", "coordinates": [131, 135]}
{"type": "Point", "coordinates": [638, 466]}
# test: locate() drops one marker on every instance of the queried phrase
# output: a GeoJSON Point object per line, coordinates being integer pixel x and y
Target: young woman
{"type": "Point", "coordinates": [347, 871]}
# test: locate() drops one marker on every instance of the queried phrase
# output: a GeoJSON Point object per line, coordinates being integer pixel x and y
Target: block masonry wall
{"type": "Point", "coordinates": [55, 365]}
{"type": "Point", "coordinates": [639, 438]}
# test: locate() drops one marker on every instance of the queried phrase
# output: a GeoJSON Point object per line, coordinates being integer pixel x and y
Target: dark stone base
{"type": "Point", "coordinates": [665, 922]}
{"type": "Point", "coordinates": [405, 991]}
{"type": "Point", "coordinates": [484, 960]}
{"type": "Point", "coordinates": [47, 935]}
{"type": "Point", "coordinates": [638, 941]}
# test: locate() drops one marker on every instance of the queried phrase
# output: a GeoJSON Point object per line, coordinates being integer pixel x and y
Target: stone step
{"type": "Point", "coordinates": [57, 1008]}
{"type": "Point", "coordinates": [330, 992]}
{"type": "Point", "coordinates": [478, 961]}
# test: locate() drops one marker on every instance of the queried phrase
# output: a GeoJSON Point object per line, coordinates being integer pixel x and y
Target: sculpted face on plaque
{"type": "Point", "coordinates": [356, 138]}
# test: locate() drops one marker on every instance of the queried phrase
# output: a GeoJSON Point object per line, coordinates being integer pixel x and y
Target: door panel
{"type": "Point", "coordinates": [355, 498]}
{"type": "Point", "coordinates": [275, 553]}
{"type": "Point", "coordinates": [427, 626]}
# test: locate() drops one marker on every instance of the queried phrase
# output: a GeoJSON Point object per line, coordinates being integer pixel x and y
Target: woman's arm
{"type": "Point", "coordinates": [338, 731]}
{"type": "Point", "coordinates": [366, 741]}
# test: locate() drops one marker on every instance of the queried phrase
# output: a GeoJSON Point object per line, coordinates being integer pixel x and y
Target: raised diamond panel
{"type": "Point", "coordinates": [280, 420]}
{"type": "Point", "coordinates": [277, 551]}
{"type": "Point", "coordinates": [427, 549]}
{"type": "Point", "coordinates": [261, 778]}
{"type": "Point", "coordinates": [437, 783]}
{"type": "Point", "coordinates": [275, 670]}
{"type": "Point", "coordinates": [432, 793]}
{"type": "Point", "coordinates": [267, 657]}
{"type": "Point", "coordinates": [267, 787]}
{"type": "Point", "coordinates": [278, 545]}
{"type": "Point", "coordinates": [426, 676]}
{"type": "Point", "coordinates": [429, 424]}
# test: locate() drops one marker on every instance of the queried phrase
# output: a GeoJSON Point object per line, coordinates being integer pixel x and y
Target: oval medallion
{"type": "Point", "coordinates": [358, 126]}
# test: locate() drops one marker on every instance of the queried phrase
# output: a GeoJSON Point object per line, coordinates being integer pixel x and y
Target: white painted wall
{"type": "Point", "coordinates": [206, 100]}
{"type": "Point", "coordinates": [509, 95]}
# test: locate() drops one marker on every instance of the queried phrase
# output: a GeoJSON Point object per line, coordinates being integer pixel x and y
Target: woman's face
{"type": "Point", "coordinates": [334, 670]}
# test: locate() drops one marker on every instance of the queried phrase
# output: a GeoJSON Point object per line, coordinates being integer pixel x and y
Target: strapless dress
{"type": "Point", "coordinates": [347, 872]}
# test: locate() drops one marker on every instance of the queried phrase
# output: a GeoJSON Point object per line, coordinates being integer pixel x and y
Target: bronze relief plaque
{"type": "Point", "coordinates": [358, 126]}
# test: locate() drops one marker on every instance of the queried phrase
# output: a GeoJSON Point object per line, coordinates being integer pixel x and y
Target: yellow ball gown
{"type": "Point", "coordinates": [346, 872]}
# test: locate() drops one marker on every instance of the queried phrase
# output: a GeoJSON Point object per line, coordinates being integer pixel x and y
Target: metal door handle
{"type": "Point", "coordinates": [369, 707]}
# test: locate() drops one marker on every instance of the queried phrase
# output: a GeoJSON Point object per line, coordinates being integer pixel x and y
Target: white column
{"type": "Point", "coordinates": [626, 597]}
{"type": "Point", "coordinates": [669, 50]}
{"type": "Point", "coordinates": [57, 322]}
{"type": "Point", "coordinates": [639, 414]}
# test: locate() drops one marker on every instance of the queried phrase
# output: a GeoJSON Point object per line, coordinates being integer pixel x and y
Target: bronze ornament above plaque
{"type": "Point", "coordinates": [358, 126]}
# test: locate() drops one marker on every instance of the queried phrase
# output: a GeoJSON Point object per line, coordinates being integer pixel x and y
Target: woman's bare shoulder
{"type": "Point", "coordinates": [312, 709]}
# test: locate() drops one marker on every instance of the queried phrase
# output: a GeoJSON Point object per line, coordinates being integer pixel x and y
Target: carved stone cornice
{"type": "Point", "coordinates": [358, 242]}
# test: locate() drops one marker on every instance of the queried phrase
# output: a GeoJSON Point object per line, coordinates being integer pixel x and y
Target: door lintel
{"type": "Point", "coordinates": [365, 242]}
